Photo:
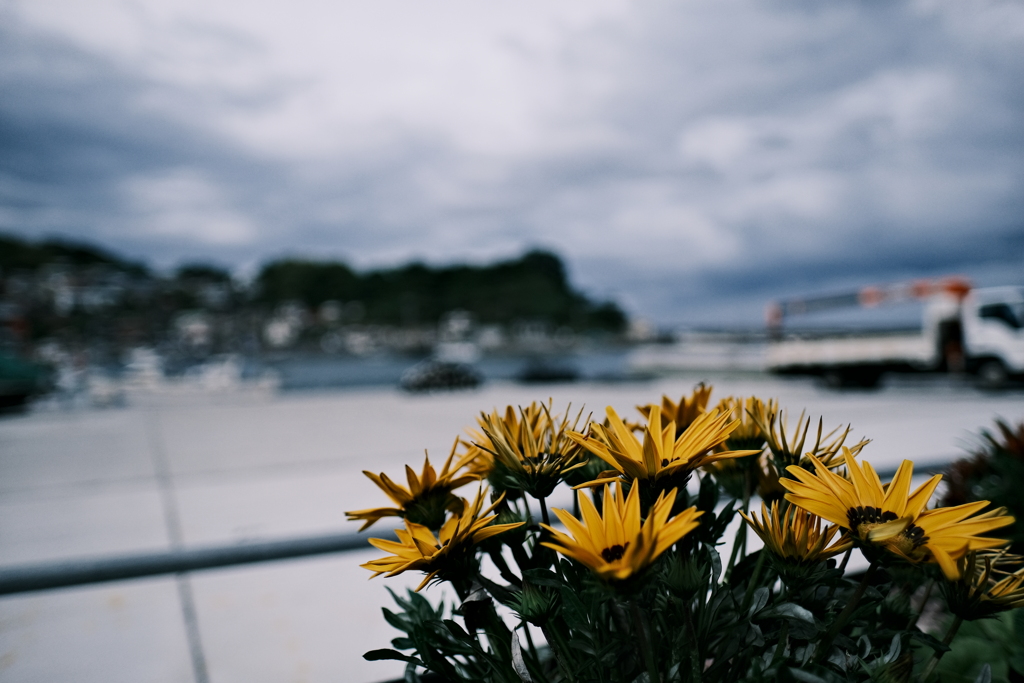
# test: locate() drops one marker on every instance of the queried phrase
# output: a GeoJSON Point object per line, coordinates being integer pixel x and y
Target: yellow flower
{"type": "Point", "coordinates": [740, 476]}
{"type": "Point", "coordinates": [615, 545]}
{"type": "Point", "coordinates": [891, 516]}
{"type": "Point", "coordinates": [796, 535]}
{"type": "Point", "coordinates": [450, 555]}
{"type": "Point", "coordinates": [748, 432]}
{"type": "Point", "coordinates": [661, 454]}
{"type": "Point", "coordinates": [479, 446]}
{"type": "Point", "coordinates": [426, 499]}
{"type": "Point", "coordinates": [947, 534]}
{"type": "Point", "coordinates": [985, 588]}
{"type": "Point", "coordinates": [683, 413]}
{"type": "Point", "coordinates": [1007, 592]}
{"type": "Point", "coordinates": [769, 486]}
{"type": "Point", "coordinates": [480, 461]}
{"type": "Point", "coordinates": [531, 453]}
{"type": "Point", "coordinates": [788, 448]}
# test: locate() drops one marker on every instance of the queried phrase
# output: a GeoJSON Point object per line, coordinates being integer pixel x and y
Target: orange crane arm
{"type": "Point", "coordinates": [954, 285]}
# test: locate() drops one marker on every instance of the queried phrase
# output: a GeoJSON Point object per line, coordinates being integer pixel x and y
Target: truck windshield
{"type": "Point", "coordinates": [1010, 314]}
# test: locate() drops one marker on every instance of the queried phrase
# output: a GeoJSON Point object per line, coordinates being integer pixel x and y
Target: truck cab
{"type": "Point", "coordinates": [993, 334]}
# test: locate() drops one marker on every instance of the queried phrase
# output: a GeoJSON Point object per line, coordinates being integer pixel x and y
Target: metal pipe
{"type": "Point", "coordinates": [76, 572]}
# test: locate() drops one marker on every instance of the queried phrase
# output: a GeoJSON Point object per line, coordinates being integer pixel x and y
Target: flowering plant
{"type": "Point", "coordinates": [653, 574]}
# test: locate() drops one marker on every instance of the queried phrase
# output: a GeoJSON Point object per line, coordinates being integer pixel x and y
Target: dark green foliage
{"type": "Point", "coordinates": [702, 621]}
{"type": "Point", "coordinates": [531, 288]}
{"type": "Point", "coordinates": [993, 642]}
{"type": "Point", "coordinates": [693, 616]}
{"type": "Point", "coordinates": [18, 254]}
{"type": "Point", "coordinates": [309, 282]}
{"type": "Point", "coordinates": [995, 472]}
{"type": "Point", "coordinates": [204, 272]}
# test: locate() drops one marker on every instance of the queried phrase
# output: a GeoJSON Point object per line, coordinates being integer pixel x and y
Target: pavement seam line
{"type": "Point", "coordinates": [172, 518]}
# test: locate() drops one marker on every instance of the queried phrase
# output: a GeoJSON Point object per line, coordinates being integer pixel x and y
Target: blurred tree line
{"type": "Point", "coordinates": [18, 254]}
{"type": "Point", "coordinates": [81, 294]}
{"type": "Point", "coordinates": [533, 287]}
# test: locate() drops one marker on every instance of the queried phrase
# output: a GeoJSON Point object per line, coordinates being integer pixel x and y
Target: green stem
{"type": "Point", "coordinates": [752, 583]}
{"type": "Point", "coordinates": [461, 590]}
{"type": "Point", "coordinates": [523, 508]}
{"type": "Point", "coordinates": [696, 667]}
{"type": "Point", "coordinates": [645, 643]}
{"type": "Point", "coordinates": [560, 648]}
{"type": "Point", "coordinates": [747, 492]}
{"type": "Point", "coordinates": [780, 649]}
{"type": "Point", "coordinates": [529, 643]}
{"type": "Point", "coordinates": [544, 512]}
{"type": "Point", "coordinates": [736, 543]}
{"type": "Point", "coordinates": [842, 571]}
{"type": "Point", "coordinates": [916, 615]}
{"type": "Point", "coordinates": [826, 643]}
{"type": "Point", "coordinates": [499, 637]}
{"type": "Point", "coordinates": [936, 656]}
{"type": "Point", "coordinates": [520, 556]}
{"type": "Point", "coordinates": [503, 568]}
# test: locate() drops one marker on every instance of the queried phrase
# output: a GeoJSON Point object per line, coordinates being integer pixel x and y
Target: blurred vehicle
{"type": "Point", "coordinates": [20, 380]}
{"type": "Point", "coordinates": [965, 330]}
{"type": "Point", "coordinates": [438, 375]}
{"type": "Point", "coordinates": [538, 371]}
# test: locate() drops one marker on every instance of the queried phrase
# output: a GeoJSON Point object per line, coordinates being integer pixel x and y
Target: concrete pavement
{"type": "Point", "coordinates": [200, 470]}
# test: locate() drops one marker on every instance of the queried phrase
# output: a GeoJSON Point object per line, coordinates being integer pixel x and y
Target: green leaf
{"type": "Point", "coordinates": [456, 630]}
{"type": "Point", "coordinates": [543, 577]}
{"type": "Point", "coordinates": [378, 655]}
{"type": "Point", "coordinates": [931, 641]}
{"type": "Point", "coordinates": [760, 600]}
{"type": "Point", "coordinates": [806, 676]}
{"type": "Point", "coordinates": [716, 566]}
{"type": "Point", "coordinates": [788, 610]}
{"type": "Point", "coordinates": [838, 659]}
{"type": "Point", "coordinates": [401, 622]}
{"type": "Point", "coordinates": [894, 649]}
{"type": "Point", "coordinates": [418, 600]}
{"type": "Point", "coordinates": [582, 647]}
{"type": "Point", "coordinates": [707, 495]}
{"type": "Point", "coordinates": [864, 645]}
{"type": "Point", "coordinates": [985, 675]}
{"type": "Point", "coordinates": [518, 663]}
{"type": "Point", "coordinates": [571, 601]}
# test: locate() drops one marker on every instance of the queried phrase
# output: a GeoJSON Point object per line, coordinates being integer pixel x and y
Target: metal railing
{"type": "Point", "coordinates": [76, 572]}
{"type": "Point", "coordinates": [83, 571]}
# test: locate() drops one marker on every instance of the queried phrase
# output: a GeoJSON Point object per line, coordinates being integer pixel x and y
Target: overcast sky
{"type": "Point", "coordinates": [691, 160]}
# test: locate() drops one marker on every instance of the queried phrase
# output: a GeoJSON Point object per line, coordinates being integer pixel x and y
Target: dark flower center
{"type": "Point", "coordinates": [614, 553]}
{"type": "Point", "coordinates": [869, 515]}
{"type": "Point", "coordinates": [916, 536]}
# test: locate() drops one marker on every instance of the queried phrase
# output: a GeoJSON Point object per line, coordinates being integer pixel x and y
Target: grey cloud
{"type": "Point", "coordinates": [829, 95]}
{"type": "Point", "coordinates": [721, 152]}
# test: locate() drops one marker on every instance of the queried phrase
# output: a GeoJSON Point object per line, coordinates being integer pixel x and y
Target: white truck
{"type": "Point", "coordinates": [964, 330]}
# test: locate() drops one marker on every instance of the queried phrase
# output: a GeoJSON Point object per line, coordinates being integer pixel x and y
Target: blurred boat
{"type": "Point", "coordinates": [145, 381]}
{"type": "Point", "coordinates": [440, 375]}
